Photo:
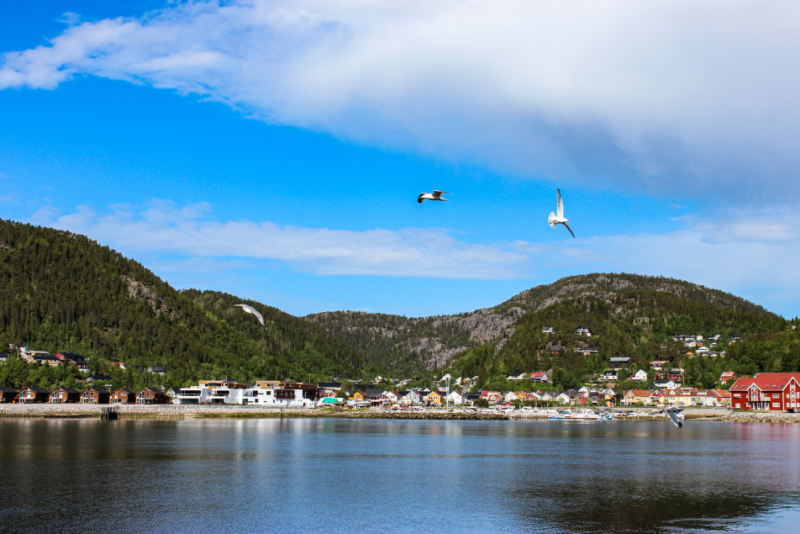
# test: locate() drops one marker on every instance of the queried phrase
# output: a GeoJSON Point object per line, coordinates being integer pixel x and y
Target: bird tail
{"type": "Point", "coordinates": [551, 220]}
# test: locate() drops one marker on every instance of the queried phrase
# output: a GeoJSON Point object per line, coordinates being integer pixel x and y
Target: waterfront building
{"type": "Point", "coordinates": [455, 398]}
{"type": "Point", "coordinates": [434, 397]}
{"type": "Point", "coordinates": [636, 396]}
{"type": "Point", "coordinates": [151, 396]}
{"type": "Point", "coordinates": [7, 395]}
{"type": "Point", "coordinates": [33, 394]}
{"type": "Point", "coordinates": [65, 395]}
{"type": "Point", "coordinates": [767, 391]}
{"type": "Point", "coordinates": [289, 395]}
{"type": "Point", "coordinates": [123, 396]}
{"type": "Point", "coordinates": [95, 395]}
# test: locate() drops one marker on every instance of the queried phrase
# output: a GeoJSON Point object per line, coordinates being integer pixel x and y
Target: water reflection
{"type": "Point", "coordinates": [374, 475]}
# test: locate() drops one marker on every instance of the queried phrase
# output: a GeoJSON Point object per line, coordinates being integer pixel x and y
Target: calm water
{"type": "Point", "coordinates": [402, 476]}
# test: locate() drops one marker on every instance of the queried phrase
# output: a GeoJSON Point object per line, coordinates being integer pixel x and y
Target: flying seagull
{"type": "Point", "coordinates": [554, 219]}
{"type": "Point", "coordinates": [250, 309]}
{"type": "Point", "coordinates": [672, 412]}
{"type": "Point", "coordinates": [436, 195]}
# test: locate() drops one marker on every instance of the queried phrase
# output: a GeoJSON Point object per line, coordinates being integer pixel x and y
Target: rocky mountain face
{"type": "Point", "coordinates": [398, 342]}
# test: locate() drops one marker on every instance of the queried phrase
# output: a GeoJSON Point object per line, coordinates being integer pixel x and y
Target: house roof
{"type": "Point", "coordinates": [323, 385]}
{"type": "Point", "coordinates": [157, 369]}
{"type": "Point", "coordinates": [131, 392]}
{"type": "Point", "coordinates": [766, 381]}
{"type": "Point", "coordinates": [98, 389]}
{"type": "Point", "coordinates": [68, 390]}
{"type": "Point", "coordinates": [37, 389]}
{"type": "Point", "coordinates": [8, 390]}
{"type": "Point", "coordinates": [639, 392]}
{"type": "Point", "coordinates": [620, 359]}
{"type": "Point", "coordinates": [518, 373]}
{"type": "Point", "coordinates": [538, 375]}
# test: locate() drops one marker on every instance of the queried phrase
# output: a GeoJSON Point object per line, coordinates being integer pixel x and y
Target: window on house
{"type": "Point", "coordinates": [776, 404]}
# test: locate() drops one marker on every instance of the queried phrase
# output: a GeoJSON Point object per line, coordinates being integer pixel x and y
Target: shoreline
{"type": "Point", "coordinates": [182, 412]}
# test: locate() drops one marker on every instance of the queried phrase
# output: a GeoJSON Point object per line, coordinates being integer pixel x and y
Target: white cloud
{"type": "Point", "coordinates": [761, 270]}
{"type": "Point", "coordinates": [671, 97]}
{"type": "Point", "coordinates": [418, 252]}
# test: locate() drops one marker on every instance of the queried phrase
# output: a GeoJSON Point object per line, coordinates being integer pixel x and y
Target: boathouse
{"type": "Point", "coordinates": [123, 396]}
{"type": "Point", "coordinates": [95, 395]}
{"type": "Point", "coordinates": [65, 395]}
{"type": "Point", "coordinates": [34, 394]}
{"type": "Point", "coordinates": [151, 396]}
{"type": "Point", "coordinates": [7, 395]}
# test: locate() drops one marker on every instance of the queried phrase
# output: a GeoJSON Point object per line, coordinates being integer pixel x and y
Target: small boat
{"type": "Point", "coordinates": [585, 415]}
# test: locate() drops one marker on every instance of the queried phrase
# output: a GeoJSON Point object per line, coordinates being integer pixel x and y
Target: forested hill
{"type": "Point", "coordinates": [400, 342]}
{"type": "Point", "coordinates": [63, 292]}
{"type": "Point", "coordinates": [639, 324]}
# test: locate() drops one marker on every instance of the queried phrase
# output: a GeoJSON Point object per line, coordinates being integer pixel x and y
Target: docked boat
{"type": "Point", "coordinates": [584, 415]}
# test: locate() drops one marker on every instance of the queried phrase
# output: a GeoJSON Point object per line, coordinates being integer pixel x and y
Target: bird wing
{"type": "Point", "coordinates": [560, 205]}
{"type": "Point", "coordinates": [570, 230]}
{"type": "Point", "coordinates": [673, 414]}
{"type": "Point", "coordinates": [250, 309]}
{"type": "Point", "coordinates": [420, 199]}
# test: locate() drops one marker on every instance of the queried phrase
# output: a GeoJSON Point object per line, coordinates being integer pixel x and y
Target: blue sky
{"type": "Point", "coordinates": [275, 150]}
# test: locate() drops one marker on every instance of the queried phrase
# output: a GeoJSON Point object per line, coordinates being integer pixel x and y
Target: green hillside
{"type": "Point", "coordinates": [414, 344]}
{"type": "Point", "coordinates": [63, 292]}
{"type": "Point", "coordinates": [638, 324]}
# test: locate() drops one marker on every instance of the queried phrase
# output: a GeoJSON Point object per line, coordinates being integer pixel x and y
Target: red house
{"type": "Point", "coordinates": [151, 396]}
{"type": "Point", "coordinates": [767, 391]}
{"type": "Point", "coordinates": [726, 376]}
{"type": "Point", "coordinates": [95, 396]}
{"type": "Point", "coordinates": [676, 375]}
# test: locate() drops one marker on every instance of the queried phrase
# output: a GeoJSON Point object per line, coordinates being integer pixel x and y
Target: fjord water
{"type": "Point", "coordinates": [339, 475]}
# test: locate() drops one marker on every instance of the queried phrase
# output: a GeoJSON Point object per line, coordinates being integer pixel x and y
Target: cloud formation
{"type": "Point", "coordinates": [417, 252]}
{"type": "Point", "coordinates": [669, 97]}
{"type": "Point", "coordinates": [188, 239]}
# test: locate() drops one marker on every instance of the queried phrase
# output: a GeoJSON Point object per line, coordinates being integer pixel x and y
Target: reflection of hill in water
{"type": "Point", "coordinates": [641, 507]}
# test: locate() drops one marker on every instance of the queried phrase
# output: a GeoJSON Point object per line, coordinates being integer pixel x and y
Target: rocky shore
{"type": "Point", "coordinates": [175, 412]}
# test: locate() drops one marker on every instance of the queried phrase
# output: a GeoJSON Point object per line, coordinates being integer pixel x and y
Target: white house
{"type": "Point", "coordinates": [456, 398]}
{"type": "Point", "coordinates": [547, 330]}
{"type": "Point", "coordinates": [584, 331]}
{"type": "Point", "coordinates": [391, 396]}
{"type": "Point", "coordinates": [640, 376]}
{"type": "Point", "coordinates": [411, 397]}
{"type": "Point", "coordinates": [511, 396]}
{"type": "Point", "coordinates": [516, 377]}
{"type": "Point", "coordinates": [562, 398]}
{"type": "Point", "coordinates": [665, 384]}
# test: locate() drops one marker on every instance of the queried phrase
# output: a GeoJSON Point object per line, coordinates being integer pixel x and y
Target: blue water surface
{"type": "Point", "coordinates": [340, 475]}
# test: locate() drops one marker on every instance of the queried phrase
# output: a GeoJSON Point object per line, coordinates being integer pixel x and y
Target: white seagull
{"type": "Point", "coordinates": [250, 309]}
{"type": "Point", "coordinates": [554, 219]}
{"type": "Point", "coordinates": [436, 195]}
{"type": "Point", "coordinates": [672, 412]}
